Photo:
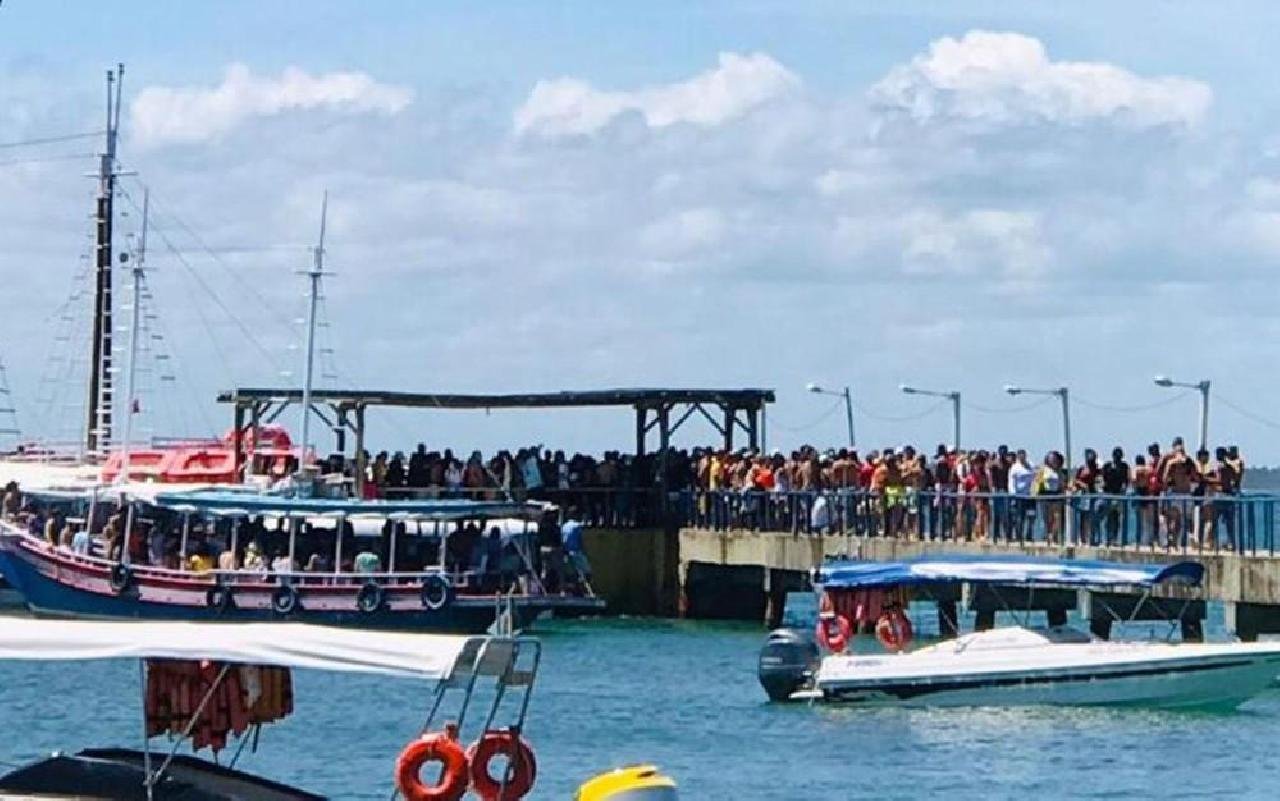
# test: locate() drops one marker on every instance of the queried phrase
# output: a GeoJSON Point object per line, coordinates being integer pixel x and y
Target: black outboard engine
{"type": "Point", "coordinates": [787, 662]}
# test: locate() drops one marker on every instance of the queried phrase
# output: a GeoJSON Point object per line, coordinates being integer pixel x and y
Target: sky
{"type": "Point", "coordinates": [581, 195]}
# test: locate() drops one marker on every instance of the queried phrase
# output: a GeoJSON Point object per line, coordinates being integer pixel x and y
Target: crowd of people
{"type": "Point", "coordinates": [979, 494]}
{"type": "Point", "coordinates": [974, 494]}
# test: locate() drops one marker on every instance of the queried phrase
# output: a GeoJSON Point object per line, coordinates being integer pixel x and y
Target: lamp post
{"type": "Point", "coordinates": [848, 406]}
{"type": "Point", "coordinates": [1203, 387]}
{"type": "Point", "coordinates": [1061, 392]}
{"type": "Point", "coordinates": [953, 396]}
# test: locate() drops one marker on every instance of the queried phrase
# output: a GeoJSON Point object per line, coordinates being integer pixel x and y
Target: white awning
{"type": "Point", "coordinates": [422, 656]}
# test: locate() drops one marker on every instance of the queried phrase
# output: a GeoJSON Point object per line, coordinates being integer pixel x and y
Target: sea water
{"type": "Point", "coordinates": [684, 696]}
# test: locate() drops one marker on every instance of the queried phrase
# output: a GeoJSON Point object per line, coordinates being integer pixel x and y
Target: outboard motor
{"type": "Point", "coordinates": [787, 662]}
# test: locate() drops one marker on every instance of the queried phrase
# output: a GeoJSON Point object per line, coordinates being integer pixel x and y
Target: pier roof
{"type": "Point", "coordinates": [635, 397]}
{"type": "Point", "coordinates": [659, 410]}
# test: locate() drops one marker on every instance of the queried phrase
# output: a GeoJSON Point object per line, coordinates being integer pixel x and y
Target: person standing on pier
{"type": "Point", "coordinates": [1023, 509]}
{"type": "Point", "coordinates": [1115, 483]}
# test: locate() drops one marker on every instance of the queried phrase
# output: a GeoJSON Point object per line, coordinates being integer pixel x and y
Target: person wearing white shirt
{"type": "Point", "coordinates": [1021, 479]}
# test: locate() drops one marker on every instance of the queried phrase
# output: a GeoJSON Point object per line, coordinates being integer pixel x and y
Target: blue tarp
{"type": "Point", "coordinates": [1004, 570]}
{"type": "Point", "coordinates": [246, 504]}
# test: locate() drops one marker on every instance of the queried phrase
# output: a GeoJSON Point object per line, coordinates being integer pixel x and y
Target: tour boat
{"type": "Point", "coordinates": [207, 684]}
{"type": "Point", "coordinates": [60, 582]}
{"type": "Point", "coordinates": [1015, 665]}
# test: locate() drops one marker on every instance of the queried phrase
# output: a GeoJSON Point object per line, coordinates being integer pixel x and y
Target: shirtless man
{"type": "Point", "coordinates": [1179, 477]}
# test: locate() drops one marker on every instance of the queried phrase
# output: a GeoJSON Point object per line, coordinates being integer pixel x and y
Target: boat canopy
{"type": "Point", "coordinates": [1004, 570]}
{"type": "Point", "coordinates": [433, 657]}
{"type": "Point", "coordinates": [231, 503]}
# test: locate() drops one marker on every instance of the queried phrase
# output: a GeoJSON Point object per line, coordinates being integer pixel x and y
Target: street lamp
{"type": "Point", "coordinates": [848, 406]}
{"type": "Point", "coordinates": [953, 396]}
{"type": "Point", "coordinates": [1061, 392]}
{"type": "Point", "coordinates": [1203, 387]}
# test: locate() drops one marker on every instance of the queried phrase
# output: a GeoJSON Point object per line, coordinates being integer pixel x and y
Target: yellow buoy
{"type": "Point", "coordinates": [635, 783]}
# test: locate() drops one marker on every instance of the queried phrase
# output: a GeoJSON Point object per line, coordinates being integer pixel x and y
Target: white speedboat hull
{"type": "Point", "coordinates": [1017, 667]}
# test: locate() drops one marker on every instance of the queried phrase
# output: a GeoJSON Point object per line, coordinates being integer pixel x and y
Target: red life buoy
{"type": "Point", "coordinates": [833, 632]}
{"type": "Point", "coordinates": [432, 748]}
{"type": "Point", "coordinates": [893, 630]}
{"type": "Point", "coordinates": [522, 766]}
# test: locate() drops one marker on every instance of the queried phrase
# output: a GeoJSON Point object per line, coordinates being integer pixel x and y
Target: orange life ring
{"type": "Point", "coordinates": [834, 641]}
{"type": "Point", "coordinates": [432, 748]}
{"type": "Point", "coordinates": [522, 766]}
{"type": "Point", "coordinates": [893, 630]}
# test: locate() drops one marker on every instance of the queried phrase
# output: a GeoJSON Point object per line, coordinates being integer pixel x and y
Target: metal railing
{"type": "Point", "coordinates": [1244, 523]}
{"type": "Point", "coordinates": [603, 507]}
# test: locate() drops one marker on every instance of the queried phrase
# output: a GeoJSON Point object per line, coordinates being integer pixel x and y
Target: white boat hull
{"type": "Point", "coordinates": [981, 670]}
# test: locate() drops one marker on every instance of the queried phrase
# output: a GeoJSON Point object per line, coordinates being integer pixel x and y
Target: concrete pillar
{"type": "Point", "coordinates": [772, 603]}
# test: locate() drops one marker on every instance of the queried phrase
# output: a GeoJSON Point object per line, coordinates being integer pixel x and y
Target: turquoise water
{"type": "Point", "coordinates": [684, 695]}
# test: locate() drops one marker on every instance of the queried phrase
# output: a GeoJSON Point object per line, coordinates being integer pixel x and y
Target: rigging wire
{"type": "Point", "coordinates": [48, 140]}
{"type": "Point", "coordinates": [272, 311]}
{"type": "Point", "coordinates": [1143, 407]}
{"type": "Point", "coordinates": [43, 159]}
{"type": "Point", "coordinates": [244, 329]}
{"type": "Point", "coordinates": [1257, 418]}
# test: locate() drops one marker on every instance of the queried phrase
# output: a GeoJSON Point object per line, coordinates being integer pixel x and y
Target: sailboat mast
{"type": "Point", "coordinates": [317, 270]}
{"type": "Point", "coordinates": [139, 266]}
{"type": "Point", "coordinates": [100, 406]}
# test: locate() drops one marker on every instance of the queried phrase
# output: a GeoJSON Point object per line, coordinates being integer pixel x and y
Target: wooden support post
{"type": "Point", "coordinates": [730, 415]}
{"type": "Point", "coordinates": [255, 422]}
{"type": "Point", "coordinates": [753, 429]}
{"type": "Point", "coordinates": [642, 420]}
{"type": "Point", "coordinates": [360, 460]}
{"type": "Point", "coordinates": [237, 441]}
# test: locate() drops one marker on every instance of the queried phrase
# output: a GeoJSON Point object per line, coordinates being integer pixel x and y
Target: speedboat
{"type": "Point", "coordinates": [1016, 665]}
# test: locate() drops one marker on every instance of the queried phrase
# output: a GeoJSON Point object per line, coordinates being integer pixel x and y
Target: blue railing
{"type": "Point", "coordinates": [1188, 523]}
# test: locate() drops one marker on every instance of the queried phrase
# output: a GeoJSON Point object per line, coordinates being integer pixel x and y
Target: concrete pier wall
{"type": "Point", "coordinates": [635, 570]}
{"type": "Point", "coordinates": [1249, 584]}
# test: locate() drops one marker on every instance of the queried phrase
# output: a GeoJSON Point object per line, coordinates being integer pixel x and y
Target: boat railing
{"type": "Point", "coordinates": [1246, 523]}
{"type": "Point", "coordinates": [459, 579]}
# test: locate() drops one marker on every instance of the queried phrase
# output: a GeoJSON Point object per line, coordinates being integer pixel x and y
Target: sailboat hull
{"type": "Point", "coordinates": [57, 584]}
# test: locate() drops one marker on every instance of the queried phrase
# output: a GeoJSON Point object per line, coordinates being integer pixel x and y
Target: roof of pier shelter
{"type": "Point", "coordinates": [635, 397]}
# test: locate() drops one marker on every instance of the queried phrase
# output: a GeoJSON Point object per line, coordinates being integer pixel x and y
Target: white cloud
{"type": "Point", "coordinates": [1008, 78]}
{"type": "Point", "coordinates": [163, 114]}
{"type": "Point", "coordinates": [570, 106]}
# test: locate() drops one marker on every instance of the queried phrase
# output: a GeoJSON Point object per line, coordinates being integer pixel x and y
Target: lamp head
{"type": "Point", "coordinates": [907, 389]}
{"type": "Point", "coordinates": [812, 387]}
{"type": "Point", "coordinates": [1163, 381]}
{"type": "Point", "coordinates": [1012, 390]}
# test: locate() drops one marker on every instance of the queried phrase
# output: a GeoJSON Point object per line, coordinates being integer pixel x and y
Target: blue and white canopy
{"type": "Point", "coordinates": [232, 503]}
{"type": "Point", "coordinates": [1004, 570]}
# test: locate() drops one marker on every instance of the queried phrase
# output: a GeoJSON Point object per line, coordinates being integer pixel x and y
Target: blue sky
{"type": "Point", "coordinates": [532, 196]}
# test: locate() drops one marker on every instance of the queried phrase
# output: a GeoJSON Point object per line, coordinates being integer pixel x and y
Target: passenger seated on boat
{"type": "Point", "coordinates": [67, 537]}
{"type": "Point", "coordinates": [253, 558]}
{"type": "Point", "coordinates": [228, 560]}
{"type": "Point", "coordinates": [53, 528]}
{"type": "Point", "coordinates": [12, 500]}
{"type": "Point", "coordinates": [367, 562]}
{"type": "Point", "coordinates": [82, 543]}
{"type": "Point", "coordinates": [283, 564]}
{"type": "Point", "coordinates": [318, 563]}
{"type": "Point", "coordinates": [199, 562]}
